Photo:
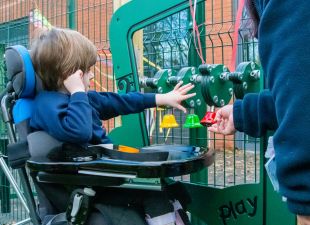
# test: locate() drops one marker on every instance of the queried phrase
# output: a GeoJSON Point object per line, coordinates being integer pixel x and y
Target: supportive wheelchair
{"type": "Point", "coordinates": [93, 185]}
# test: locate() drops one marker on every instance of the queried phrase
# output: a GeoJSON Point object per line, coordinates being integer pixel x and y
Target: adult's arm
{"type": "Point", "coordinates": [255, 114]}
{"type": "Point", "coordinates": [284, 35]}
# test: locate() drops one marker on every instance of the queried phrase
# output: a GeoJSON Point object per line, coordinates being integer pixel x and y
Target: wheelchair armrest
{"type": "Point", "coordinates": [79, 179]}
{"type": "Point", "coordinates": [18, 154]}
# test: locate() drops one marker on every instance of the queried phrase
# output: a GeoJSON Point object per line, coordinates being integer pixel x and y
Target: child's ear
{"type": "Point", "coordinates": [81, 73]}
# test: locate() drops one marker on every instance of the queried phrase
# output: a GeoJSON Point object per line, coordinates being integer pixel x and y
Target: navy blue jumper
{"type": "Point", "coordinates": [77, 118]}
{"type": "Point", "coordinates": [284, 49]}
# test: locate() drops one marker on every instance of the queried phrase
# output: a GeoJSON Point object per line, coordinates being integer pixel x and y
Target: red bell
{"type": "Point", "coordinates": [208, 119]}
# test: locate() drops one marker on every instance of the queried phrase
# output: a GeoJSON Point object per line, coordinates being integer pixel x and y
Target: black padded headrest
{"type": "Point", "coordinates": [21, 72]}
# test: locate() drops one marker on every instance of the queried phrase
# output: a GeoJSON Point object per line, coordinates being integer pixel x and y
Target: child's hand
{"type": "Point", "coordinates": [224, 121]}
{"type": "Point", "coordinates": [176, 96]}
{"type": "Point", "coordinates": [74, 82]}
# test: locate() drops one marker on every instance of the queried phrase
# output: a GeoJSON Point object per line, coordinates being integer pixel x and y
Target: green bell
{"type": "Point", "coordinates": [192, 121]}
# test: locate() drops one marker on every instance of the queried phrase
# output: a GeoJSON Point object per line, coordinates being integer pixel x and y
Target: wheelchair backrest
{"type": "Point", "coordinates": [25, 85]}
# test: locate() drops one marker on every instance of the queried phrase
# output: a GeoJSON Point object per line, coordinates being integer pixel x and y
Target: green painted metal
{"type": "Point", "coordinates": [237, 205]}
{"type": "Point", "coordinates": [163, 81]}
{"type": "Point", "coordinates": [216, 90]}
{"type": "Point", "coordinates": [122, 29]}
{"type": "Point", "coordinates": [198, 136]}
{"type": "Point", "coordinates": [189, 75]}
{"type": "Point", "coordinates": [15, 32]}
{"type": "Point", "coordinates": [71, 9]}
{"type": "Point", "coordinates": [249, 80]}
{"type": "Point", "coordinates": [4, 183]}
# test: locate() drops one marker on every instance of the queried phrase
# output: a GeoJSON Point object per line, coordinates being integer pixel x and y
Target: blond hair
{"type": "Point", "coordinates": [58, 53]}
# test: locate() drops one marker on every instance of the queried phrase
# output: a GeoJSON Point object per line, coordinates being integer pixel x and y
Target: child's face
{"type": "Point", "coordinates": [86, 79]}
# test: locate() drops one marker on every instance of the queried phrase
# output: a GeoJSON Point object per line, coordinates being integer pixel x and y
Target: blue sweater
{"type": "Point", "coordinates": [284, 35]}
{"type": "Point", "coordinates": [78, 118]}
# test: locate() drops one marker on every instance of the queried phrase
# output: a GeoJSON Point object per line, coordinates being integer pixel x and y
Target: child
{"type": "Point", "coordinates": [66, 109]}
{"type": "Point", "coordinates": [69, 112]}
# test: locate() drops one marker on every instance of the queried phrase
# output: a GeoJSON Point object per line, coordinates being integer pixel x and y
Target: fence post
{"type": "Point", "coordinates": [71, 14]}
{"type": "Point", "coordinates": [4, 183]}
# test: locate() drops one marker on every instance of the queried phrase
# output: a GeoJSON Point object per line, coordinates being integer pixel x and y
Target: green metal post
{"type": "Point", "coordinates": [198, 137]}
{"type": "Point", "coordinates": [71, 21]}
{"type": "Point", "coordinates": [4, 183]}
{"type": "Point", "coordinates": [5, 189]}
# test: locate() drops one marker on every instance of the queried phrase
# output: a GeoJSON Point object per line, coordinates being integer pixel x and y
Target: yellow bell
{"type": "Point", "coordinates": [169, 121]}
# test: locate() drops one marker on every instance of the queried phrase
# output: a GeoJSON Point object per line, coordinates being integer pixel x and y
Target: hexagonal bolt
{"type": "Point", "coordinates": [215, 99]}
{"type": "Point", "coordinates": [253, 65]}
{"type": "Point", "coordinates": [198, 102]}
{"type": "Point", "coordinates": [245, 85]}
{"type": "Point", "coordinates": [209, 68]}
{"type": "Point", "coordinates": [224, 76]}
{"type": "Point", "coordinates": [169, 73]}
{"type": "Point", "coordinates": [193, 69]}
{"type": "Point", "coordinates": [173, 80]}
{"type": "Point", "coordinates": [142, 82]}
{"type": "Point", "coordinates": [192, 103]}
{"type": "Point", "coordinates": [211, 79]}
{"type": "Point", "coordinates": [195, 78]}
{"type": "Point", "coordinates": [255, 75]}
{"type": "Point", "coordinates": [222, 102]}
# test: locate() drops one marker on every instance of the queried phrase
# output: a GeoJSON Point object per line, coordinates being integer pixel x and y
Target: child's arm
{"type": "Point", "coordinates": [110, 104]}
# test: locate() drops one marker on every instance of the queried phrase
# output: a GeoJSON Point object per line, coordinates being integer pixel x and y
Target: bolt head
{"type": "Point", "coordinates": [198, 102]}
{"type": "Point", "coordinates": [211, 79]}
{"type": "Point", "coordinates": [169, 73]}
{"type": "Point", "coordinates": [252, 65]}
{"type": "Point", "coordinates": [215, 99]}
{"type": "Point", "coordinates": [193, 70]}
{"type": "Point", "coordinates": [245, 85]}
{"type": "Point", "coordinates": [192, 103]}
{"type": "Point", "coordinates": [222, 102]}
